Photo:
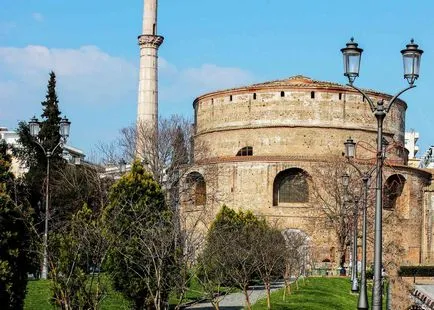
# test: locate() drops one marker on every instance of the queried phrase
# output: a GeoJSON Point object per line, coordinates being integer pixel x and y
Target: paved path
{"type": "Point", "coordinates": [236, 301]}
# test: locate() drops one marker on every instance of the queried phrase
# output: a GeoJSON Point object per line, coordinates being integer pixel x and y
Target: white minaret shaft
{"type": "Point", "coordinates": [147, 106]}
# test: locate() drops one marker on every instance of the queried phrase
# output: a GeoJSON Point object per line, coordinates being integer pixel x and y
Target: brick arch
{"type": "Point", "coordinates": [291, 186]}
{"type": "Point", "coordinates": [196, 187]}
{"type": "Point", "coordinates": [392, 190]}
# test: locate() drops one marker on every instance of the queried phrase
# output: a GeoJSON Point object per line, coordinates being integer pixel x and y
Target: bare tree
{"type": "Point", "coordinates": [163, 151]}
{"type": "Point", "coordinates": [296, 256]}
{"type": "Point", "coordinates": [211, 274]}
{"type": "Point", "coordinates": [333, 203]}
{"type": "Point", "coordinates": [270, 257]}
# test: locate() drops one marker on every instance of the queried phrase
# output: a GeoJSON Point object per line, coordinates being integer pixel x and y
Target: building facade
{"type": "Point", "coordinates": [271, 148]}
{"type": "Point", "coordinates": [71, 154]}
{"type": "Point", "coordinates": [411, 146]}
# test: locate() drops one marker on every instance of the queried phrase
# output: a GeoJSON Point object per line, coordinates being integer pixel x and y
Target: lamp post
{"type": "Point", "coordinates": [350, 153]}
{"type": "Point", "coordinates": [411, 58]}
{"type": "Point", "coordinates": [345, 182]}
{"type": "Point", "coordinates": [34, 126]}
{"type": "Point", "coordinates": [354, 280]}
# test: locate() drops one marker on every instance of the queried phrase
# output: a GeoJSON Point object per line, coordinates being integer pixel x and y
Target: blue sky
{"type": "Point", "coordinates": [209, 45]}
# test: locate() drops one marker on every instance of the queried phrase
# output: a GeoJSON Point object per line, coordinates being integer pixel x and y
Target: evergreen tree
{"type": "Point", "coordinates": [140, 227]}
{"type": "Point", "coordinates": [32, 154]}
{"type": "Point", "coordinates": [231, 248]}
{"type": "Point", "coordinates": [49, 133]}
{"type": "Point", "coordinates": [14, 242]}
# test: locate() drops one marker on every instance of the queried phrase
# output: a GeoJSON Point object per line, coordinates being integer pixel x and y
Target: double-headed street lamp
{"type": "Point", "coordinates": [34, 126]}
{"type": "Point", "coordinates": [352, 56]}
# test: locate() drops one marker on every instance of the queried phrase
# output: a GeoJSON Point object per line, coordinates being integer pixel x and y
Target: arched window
{"type": "Point", "coordinates": [290, 186]}
{"type": "Point", "coordinates": [196, 189]}
{"type": "Point", "coordinates": [392, 190]}
{"type": "Point", "coordinates": [245, 151]}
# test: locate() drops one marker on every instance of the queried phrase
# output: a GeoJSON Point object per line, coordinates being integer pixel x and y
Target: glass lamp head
{"type": "Point", "coordinates": [34, 127]}
{"type": "Point", "coordinates": [345, 180]}
{"type": "Point", "coordinates": [411, 56]}
{"type": "Point", "coordinates": [352, 55]}
{"type": "Point", "coordinates": [65, 125]}
{"type": "Point", "coordinates": [350, 148]}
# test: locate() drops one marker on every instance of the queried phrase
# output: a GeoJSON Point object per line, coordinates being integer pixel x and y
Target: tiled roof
{"type": "Point", "coordinates": [297, 81]}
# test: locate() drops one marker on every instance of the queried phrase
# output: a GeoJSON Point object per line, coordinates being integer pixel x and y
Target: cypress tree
{"type": "Point", "coordinates": [32, 154]}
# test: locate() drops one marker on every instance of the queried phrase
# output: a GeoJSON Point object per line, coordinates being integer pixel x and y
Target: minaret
{"type": "Point", "coordinates": [147, 105]}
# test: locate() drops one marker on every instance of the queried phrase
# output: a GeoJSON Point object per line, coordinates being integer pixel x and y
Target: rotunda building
{"type": "Point", "coordinates": [274, 147]}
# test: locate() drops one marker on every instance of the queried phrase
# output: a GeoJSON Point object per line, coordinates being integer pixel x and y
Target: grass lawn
{"type": "Point", "coordinates": [39, 294]}
{"type": "Point", "coordinates": [38, 298]}
{"type": "Point", "coordinates": [325, 293]}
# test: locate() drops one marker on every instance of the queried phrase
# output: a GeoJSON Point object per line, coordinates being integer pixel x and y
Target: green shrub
{"type": "Point", "coordinates": [416, 271]}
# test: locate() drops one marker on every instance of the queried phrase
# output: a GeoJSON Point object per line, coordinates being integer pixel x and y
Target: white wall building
{"type": "Point", "coordinates": [71, 154]}
{"type": "Point", "coordinates": [411, 138]}
{"type": "Point", "coordinates": [11, 138]}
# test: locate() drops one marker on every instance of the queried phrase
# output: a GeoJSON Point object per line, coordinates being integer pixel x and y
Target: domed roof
{"type": "Point", "coordinates": [293, 82]}
{"type": "Point", "coordinates": [298, 81]}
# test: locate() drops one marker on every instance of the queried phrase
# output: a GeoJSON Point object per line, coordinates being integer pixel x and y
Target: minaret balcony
{"type": "Point", "coordinates": [149, 40]}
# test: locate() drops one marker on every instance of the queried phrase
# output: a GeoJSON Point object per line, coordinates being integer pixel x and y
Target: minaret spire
{"type": "Point", "coordinates": [147, 105]}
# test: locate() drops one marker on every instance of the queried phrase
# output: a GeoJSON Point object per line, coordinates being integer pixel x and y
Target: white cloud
{"type": "Point", "coordinates": [94, 84]}
{"type": "Point", "coordinates": [38, 17]}
{"type": "Point", "coordinates": [87, 71]}
{"type": "Point", "coordinates": [182, 84]}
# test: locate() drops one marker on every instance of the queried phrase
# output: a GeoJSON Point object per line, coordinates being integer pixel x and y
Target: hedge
{"type": "Point", "coordinates": [416, 271]}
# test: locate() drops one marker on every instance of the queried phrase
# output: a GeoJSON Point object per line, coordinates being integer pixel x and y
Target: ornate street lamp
{"type": "Point", "coordinates": [345, 182]}
{"type": "Point", "coordinates": [411, 57]}
{"type": "Point", "coordinates": [352, 56]}
{"type": "Point", "coordinates": [350, 148]}
{"type": "Point", "coordinates": [350, 153]}
{"type": "Point", "coordinates": [64, 126]}
{"type": "Point", "coordinates": [354, 279]}
{"type": "Point", "coordinates": [34, 127]}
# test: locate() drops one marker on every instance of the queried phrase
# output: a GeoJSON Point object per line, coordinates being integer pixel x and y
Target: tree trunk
{"type": "Point", "coordinates": [157, 300]}
{"type": "Point", "coordinates": [216, 304]}
{"type": "Point", "coordinates": [267, 288]}
{"type": "Point", "coordinates": [181, 298]}
{"type": "Point", "coordinates": [246, 294]}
